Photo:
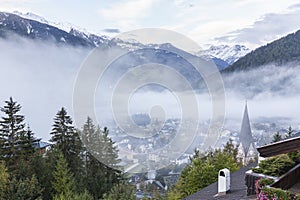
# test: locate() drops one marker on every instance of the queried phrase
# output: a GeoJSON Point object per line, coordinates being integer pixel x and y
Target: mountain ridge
{"type": "Point", "coordinates": [36, 27]}
{"type": "Point", "coordinates": [278, 52]}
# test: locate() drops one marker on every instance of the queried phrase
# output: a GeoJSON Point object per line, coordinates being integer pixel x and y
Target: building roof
{"type": "Point", "coordinates": [40, 144]}
{"type": "Point", "coordinates": [284, 146]}
{"type": "Point", "coordinates": [237, 188]}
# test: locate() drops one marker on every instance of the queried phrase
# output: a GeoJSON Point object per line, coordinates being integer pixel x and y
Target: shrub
{"type": "Point", "coordinates": [261, 183]}
{"type": "Point", "coordinates": [264, 192]}
{"type": "Point", "coordinates": [295, 156]}
{"type": "Point", "coordinates": [275, 166]}
{"type": "Point", "coordinates": [275, 193]}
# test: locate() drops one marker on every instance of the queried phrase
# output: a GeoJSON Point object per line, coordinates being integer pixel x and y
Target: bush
{"type": "Point", "coordinates": [265, 181]}
{"type": "Point", "coordinates": [121, 191]}
{"type": "Point", "coordinates": [264, 192]}
{"type": "Point", "coordinates": [275, 166]}
{"type": "Point", "coordinates": [295, 156]}
{"type": "Point", "coordinates": [275, 193]}
{"type": "Point", "coordinates": [261, 183]}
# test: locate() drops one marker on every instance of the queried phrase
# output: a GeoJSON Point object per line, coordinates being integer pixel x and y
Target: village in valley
{"type": "Point", "coordinates": [139, 162]}
{"type": "Point", "coordinates": [149, 100]}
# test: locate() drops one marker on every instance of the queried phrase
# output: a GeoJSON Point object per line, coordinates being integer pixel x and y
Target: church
{"type": "Point", "coordinates": [246, 147]}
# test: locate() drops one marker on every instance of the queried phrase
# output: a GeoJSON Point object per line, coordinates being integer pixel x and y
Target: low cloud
{"type": "Point", "coordinates": [270, 27]}
{"type": "Point", "coordinates": [41, 77]}
{"type": "Point", "coordinates": [111, 30]}
{"type": "Point", "coordinates": [272, 91]}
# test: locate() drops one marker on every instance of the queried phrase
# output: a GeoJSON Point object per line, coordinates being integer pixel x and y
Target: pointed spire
{"type": "Point", "coordinates": [246, 134]}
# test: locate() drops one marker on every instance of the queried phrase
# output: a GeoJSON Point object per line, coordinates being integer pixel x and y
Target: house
{"type": "Point", "coordinates": [41, 146]}
{"type": "Point", "coordinates": [242, 182]}
{"type": "Point", "coordinates": [246, 154]}
{"type": "Point", "coordinates": [287, 180]}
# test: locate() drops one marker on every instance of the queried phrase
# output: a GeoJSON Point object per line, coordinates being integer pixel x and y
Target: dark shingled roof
{"type": "Point", "coordinates": [237, 188]}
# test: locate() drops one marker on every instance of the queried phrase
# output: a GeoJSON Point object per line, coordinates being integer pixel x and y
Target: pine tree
{"type": "Point", "coordinates": [27, 140]}
{"type": "Point", "coordinates": [230, 149]}
{"type": "Point", "coordinates": [122, 191]}
{"type": "Point", "coordinates": [62, 131]}
{"type": "Point", "coordinates": [4, 180]}
{"type": "Point", "coordinates": [67, 141]}
{"type": "Point", "coordinates": [11, 131]}
{"type": "Point", "coordinates": [24, 188]}
{"type": "Point", "coordinates": [44, 167]}
{"type": "Point", "coordinates": [94, 167]}
{"type": "Point", "coordinates": [100, 157]}
{"type": "Point", "coordinates": [109, 149]}
{"type": "Point", "coordinates": [289, 132]}
{"type": "Point", "coordinates": [63, 183]}
{"type": "Point", "coordinates": [110, 153]}
{"type": "Point", "coordinates": [277, 137]}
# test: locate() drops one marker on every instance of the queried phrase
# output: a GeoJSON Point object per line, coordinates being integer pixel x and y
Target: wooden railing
{"type": "Point", "coordinates": [250, 180]}
{"type": "Point", "coordinates": [287, 180]}
{"type": "Point", "coordinates": [284, 182]}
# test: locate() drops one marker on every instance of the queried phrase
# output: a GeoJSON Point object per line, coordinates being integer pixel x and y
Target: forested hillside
{"type": "Point", "coordinates": [286, 49]}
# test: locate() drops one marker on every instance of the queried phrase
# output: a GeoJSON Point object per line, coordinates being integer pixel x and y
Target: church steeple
{"type": "Point", "coordinates": [246, 135]}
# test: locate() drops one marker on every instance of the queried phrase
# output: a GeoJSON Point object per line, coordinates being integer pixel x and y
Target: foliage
{"type": "Point", "coordinates": [264, 192]}
{"type": "Point", "coordinates": [67, 167]}
{"type": "Point", "coordinates": [262, 182]}
{"type": "Point", "coordinates": [121, 191]}
{"type": "Point", "coordinates": [265, 181]}
{"type": "Point", "coordinates": [4, 180]}
{"type": "Point", "coordinates": [63, 183]}
{"type": "Point", "coordinates": [68, 142]}
{"type": "Point", "coordinates": [101, 159]}
{"type": "Point", "coordinates": [230, 149]}
{"type": "Point", "coordinates": [294, 156]}
{"type": "Point", "coordinates": [289, 132]}
{"type": "Point", "coordinates": [275, 193]}
{"type": "Point", "coordinates": [275, 166]}
{"type": "Point", "coordinates": [27, 188]}
{"type": "Point", "coordinates": [22, 188]}
{"type": "Point", "coordinates": [83, 196]}
{"type": "Point", "coordinates": [15, 140]}
{"type": "Point", "coordinates": [43, 168]}
{"type": "Point", "coordinates": [277, 137]}
{"type": "Point", "coordinates": [203, 171]}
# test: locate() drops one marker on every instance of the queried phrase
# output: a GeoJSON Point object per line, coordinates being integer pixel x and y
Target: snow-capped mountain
{"type": "Point", "coordinates": [12, 24]}
{"type": "Point", "coordinates": [36, 27]}
{"type": "Point", "coordinates": [229, 54]}
{"type": "Point", "coordinates": [61, 25]}
{"type": "Point", "coordinates": [67, 27]}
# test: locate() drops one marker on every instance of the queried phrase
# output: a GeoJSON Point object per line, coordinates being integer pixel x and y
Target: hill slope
{"type": "Point", "coordinates": [286, 49]}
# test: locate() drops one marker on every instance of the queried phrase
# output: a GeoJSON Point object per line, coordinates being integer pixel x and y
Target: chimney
{"type": "Point", "coordinates": [223, 181]}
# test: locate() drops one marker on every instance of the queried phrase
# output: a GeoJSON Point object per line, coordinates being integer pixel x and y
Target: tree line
{"type": "Point", "coordinates": [69, 170]}
{"type": "Point", "coordinates": [203, 170]}
{"type": "Point", "coordinates": [72, 168]}
{"type": "Point", "coordinates": [281, 51]}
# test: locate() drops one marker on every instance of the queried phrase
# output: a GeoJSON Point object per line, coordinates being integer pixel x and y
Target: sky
{"type": "Point", "coordinates": [248, 22]}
